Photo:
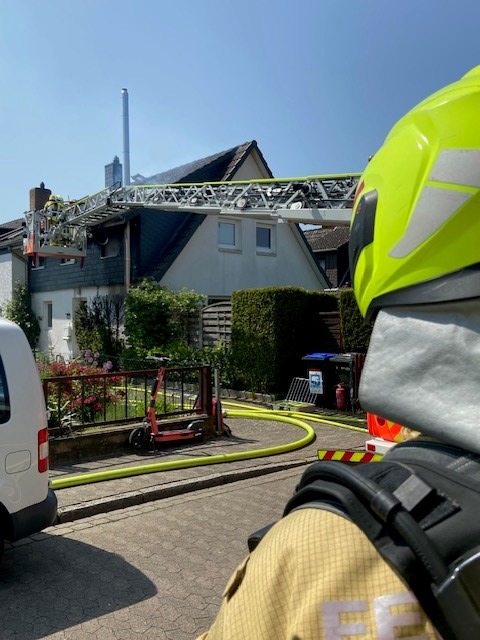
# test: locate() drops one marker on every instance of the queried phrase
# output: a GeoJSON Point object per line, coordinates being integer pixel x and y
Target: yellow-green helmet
{"type": "Point", "coordinates": [415, 232]}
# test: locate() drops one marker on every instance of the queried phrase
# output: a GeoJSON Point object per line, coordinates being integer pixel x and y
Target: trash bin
{"type": "Point", "coordinates": [320, 378]}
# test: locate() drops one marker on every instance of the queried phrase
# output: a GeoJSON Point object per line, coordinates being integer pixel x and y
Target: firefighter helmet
{"type": "Point", "coordinates": [416, 215]}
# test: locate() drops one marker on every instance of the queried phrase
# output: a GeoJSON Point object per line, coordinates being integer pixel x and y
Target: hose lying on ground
{"type": "Point", "coordinates": [257, 413]}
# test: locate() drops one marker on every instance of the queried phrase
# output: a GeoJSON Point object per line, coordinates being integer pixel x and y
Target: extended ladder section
{"type": "Point", "coordinates": [322, 200]}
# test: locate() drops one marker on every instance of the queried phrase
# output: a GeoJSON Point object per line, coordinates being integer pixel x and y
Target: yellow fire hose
{"type": "Point", "coordinates": [295, 418]}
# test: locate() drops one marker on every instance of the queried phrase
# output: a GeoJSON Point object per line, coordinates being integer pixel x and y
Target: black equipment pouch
{"type": "Point", "coordinates": [419, 507]}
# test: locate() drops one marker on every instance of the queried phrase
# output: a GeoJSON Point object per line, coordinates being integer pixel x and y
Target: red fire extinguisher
{"type": "Point", "coordinates": [341, 396]}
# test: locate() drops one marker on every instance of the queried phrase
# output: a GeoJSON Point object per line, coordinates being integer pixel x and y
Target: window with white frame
{"type": "Point", "coordinates": [265, 238]}
{"type": "Point", "coordinates": [229, 235]}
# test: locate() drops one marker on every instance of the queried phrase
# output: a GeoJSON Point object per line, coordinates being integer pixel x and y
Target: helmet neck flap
{"type": "Point", "coordinates": [423, 370]}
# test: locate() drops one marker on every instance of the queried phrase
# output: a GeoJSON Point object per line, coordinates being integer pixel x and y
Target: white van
{"type": "Point", "coordinates": [27, 504]}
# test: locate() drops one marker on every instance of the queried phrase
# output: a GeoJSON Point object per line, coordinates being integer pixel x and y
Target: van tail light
{"type": "Point", "coordinates": [43, 450]}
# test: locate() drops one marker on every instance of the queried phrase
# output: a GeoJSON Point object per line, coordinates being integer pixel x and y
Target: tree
{"type": "Point", "coordinates": [98, 325]}
{"type": "Point", "coordinates": [156, 316]}
{"type": "Point", "coordinates": [19, 310]}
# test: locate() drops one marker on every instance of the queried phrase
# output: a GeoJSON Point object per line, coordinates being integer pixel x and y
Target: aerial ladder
{"type": "Point", "coordinates": [63, 231]}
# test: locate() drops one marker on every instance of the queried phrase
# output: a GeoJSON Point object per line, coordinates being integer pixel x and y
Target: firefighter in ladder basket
{"type": "Point", "coordinates": [392, 549]}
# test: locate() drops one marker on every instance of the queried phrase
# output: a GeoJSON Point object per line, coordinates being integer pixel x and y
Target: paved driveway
{"type": "Point", "coordinates": [156, 570]}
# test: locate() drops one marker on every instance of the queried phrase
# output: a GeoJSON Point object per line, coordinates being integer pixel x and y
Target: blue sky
{"type": "Point", "coordinates": [318, 84]}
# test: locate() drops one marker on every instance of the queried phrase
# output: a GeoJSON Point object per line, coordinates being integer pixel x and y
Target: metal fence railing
{"type": "Point", "coordinates": [102, 399]}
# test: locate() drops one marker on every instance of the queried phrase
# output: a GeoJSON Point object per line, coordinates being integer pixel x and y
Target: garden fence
{"type": "Point", "coordinates": [103, 399]}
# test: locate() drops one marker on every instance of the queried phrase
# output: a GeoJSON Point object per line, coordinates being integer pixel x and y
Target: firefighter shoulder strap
{"type": "Point", "coordinates": [419, 506]}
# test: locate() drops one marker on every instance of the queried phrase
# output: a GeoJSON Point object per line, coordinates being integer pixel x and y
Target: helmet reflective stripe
{"type": "Point", "coordinates": [434, 207]}
{"type": "Point", "coordinates": [457, 166]}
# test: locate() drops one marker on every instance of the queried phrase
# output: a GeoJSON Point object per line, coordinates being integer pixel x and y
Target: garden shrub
{"type": "Point", "coordinates": [19, 310]}
{"type": "Point", "coordinates": [135, 359]}
{"type": "Point", "coordinates": [356, 331]}
{"type": "Point", "coordinates": [272, 329]}
{"type": "Point", "coordinates": [155, 316]}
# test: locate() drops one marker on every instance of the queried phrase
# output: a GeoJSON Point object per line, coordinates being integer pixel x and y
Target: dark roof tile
{"type": "Point", "coordinates": [13, 225]}
{"type": "Point", "coordinates": [327, 238]}
{"type": "Point", "coordinates": [11, 233]}
{"type": "Point", "coordinates": [218, 167]}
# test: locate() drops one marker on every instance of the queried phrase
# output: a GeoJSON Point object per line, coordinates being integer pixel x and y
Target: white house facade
{"type": "Point", "coordinates": [13, 272]}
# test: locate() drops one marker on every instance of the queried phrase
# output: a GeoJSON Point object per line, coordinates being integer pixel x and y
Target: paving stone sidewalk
{"type": "Point", "coordinates": [247, 435]}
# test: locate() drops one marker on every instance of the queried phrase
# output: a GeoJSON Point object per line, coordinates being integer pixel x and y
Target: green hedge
{"type": "Point", "coordinates": [355, 331]}
{"type": "Point", "coordinates": [272, 329]}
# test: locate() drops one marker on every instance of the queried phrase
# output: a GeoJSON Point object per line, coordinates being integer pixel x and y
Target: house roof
{"type": "Point", "coordinates": [327, 238]}
{"type": "Point", "coordinates": [11, 232]}
{"type": "Point", "coordinates": [218, 167]}
{"type": "Point", "coordinates": [6, 227]}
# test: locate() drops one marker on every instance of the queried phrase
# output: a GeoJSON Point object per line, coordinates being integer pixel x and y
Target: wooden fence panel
{"type": "Point", "coordinates": [330, 335]}
{"type": "Point", "coordinates": [216, 324]}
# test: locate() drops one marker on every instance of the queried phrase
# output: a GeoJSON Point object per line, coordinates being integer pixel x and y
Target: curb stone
{"type": "Point", "coordinates": [141, 496]}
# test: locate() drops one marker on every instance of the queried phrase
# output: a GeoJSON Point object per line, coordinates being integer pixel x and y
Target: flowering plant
{"type": "Point", "coordinates": [93, 358]}
{"type": "Point", "coordinates": [75, 396]}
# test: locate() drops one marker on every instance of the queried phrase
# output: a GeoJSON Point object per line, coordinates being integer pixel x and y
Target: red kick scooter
{"type": "Point", "coordinates": [149, 433]}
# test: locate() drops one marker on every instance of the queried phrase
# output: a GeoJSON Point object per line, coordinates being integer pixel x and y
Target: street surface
{"type": "Point", "coordinates": [153, 571]}
{"type": "Point", "coordinates": [126, 565]}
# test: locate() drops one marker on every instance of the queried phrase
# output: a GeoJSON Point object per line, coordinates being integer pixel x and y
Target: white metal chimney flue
{"type": "Point", "coordinates": [126, 140]}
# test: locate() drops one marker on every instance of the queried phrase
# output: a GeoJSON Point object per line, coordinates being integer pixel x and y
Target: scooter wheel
{"type": "Point", "coordinates": [139, 438]}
